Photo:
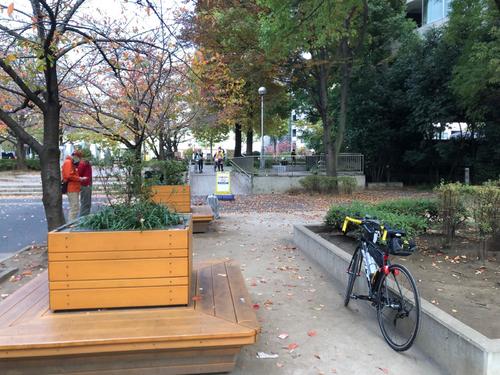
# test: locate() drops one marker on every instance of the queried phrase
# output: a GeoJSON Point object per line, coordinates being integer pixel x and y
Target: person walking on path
{"type": "Point", "coordinates": [71, 177]}
{"type": "Point", "coordinates": [198, 158]}
{"type": "Point", "coordinates": [85, 170]}
{"type": "Point", "coordinates": [219, 157]}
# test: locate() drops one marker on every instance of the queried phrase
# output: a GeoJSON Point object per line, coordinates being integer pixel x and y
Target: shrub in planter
{"type": "Point", "coordinates": [7, 164]}
{"type": "Point", "coordinates": [483, 206]}
{"type": "Point", "coordinates": [310, 183]}
{"type": "Point", "coordinates": [33, 164]}
{"type": "Point", "coordinates": [451, 208]}
{"type": "Point", "coordinates": [411, 224]}
{"type": "Point", "coordinates": [428, 208]}
{"type": "Point", "coordinates": [140, 215]}
{"type": "Point", "coordinates": [126, 255]}
{"type": "Point", "coordinates": [347, 184]}
{"type": "Point", "coordinates": [327, 184]}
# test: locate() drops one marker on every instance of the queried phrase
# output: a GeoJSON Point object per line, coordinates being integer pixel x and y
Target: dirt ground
{"type": "Point", "coordinates": [453, 279]}
{"type": "Point", "coordinates": [30, 262]}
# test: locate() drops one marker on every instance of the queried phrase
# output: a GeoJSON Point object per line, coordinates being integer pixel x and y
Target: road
{"type": "Point", "coordinates": [22, 223]}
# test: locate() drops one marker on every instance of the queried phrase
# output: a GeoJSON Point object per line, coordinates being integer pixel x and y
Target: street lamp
{"type": "Point", "coordinates": [262, 92]}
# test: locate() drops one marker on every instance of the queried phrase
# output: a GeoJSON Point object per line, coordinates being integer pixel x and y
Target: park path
{"type": "Point", "coordinates": [294, 297]}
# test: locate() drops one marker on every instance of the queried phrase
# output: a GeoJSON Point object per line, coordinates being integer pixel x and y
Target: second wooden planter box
{"type": "Point", "coordinates": [175, 197]}
{"type": "Point", "coordinates": [102, 269]}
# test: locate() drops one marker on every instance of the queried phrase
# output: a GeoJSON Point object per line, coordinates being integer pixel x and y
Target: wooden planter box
{"type": "Point", "coordinates": [175, 197]}
{"type": "Point", "coordinates": [101, 269]}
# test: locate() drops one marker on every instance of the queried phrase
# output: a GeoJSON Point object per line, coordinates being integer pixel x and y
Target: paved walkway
{"type": "Point", "coordinates": [297, 299]}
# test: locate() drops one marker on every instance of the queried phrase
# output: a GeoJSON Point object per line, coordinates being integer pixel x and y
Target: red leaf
{"type": "Point", "coordinates": [256, 306]}
{"type": "Point", "coordinates": [311, 333]}
{"type": "Point", "coordinates": [292, 346]}
{"type": "Point", "coordinates": [196, 298]}
{"type": "Point", "coordinates": [384, 370]}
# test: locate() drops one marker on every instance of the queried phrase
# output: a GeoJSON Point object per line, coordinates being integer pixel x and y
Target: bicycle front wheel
{"type": "Point", "coordinates": [352, 271]}
{"type": "Point", "coordinates": [398, 308]}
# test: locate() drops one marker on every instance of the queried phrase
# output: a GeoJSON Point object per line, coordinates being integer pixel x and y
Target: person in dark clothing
{"type": "Point", "coordinates": [198, 158]}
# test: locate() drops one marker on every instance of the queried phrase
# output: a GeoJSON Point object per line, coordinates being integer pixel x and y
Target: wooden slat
{"type": "Point", "coordinates": [134, 254]}
{"type": "Point", "coordinates": [35, 311]}
{"type": "Point", "coordinates": [24, 292]}
{"type": "Point", "coordinates": [171, 189]}
{"type": "Point", "coordinates": [118, 269]}
{"type": "Point", "coordinates": [204, 290]}
{"type": "Point", "coordinates": [158, 362]}
{"type": "Point", "coordinates": [118, 283]}
{"type": "Point", "coordinates": [63, 242]}
{"type": "Point", "coordinates": [105, 332]}
{"type": "Point", "coordinates": [23, 304]}
{"type": "Point", "coordinates": [202, 213]}
{"type": "Point", "coordinates": [245, 314]}
{"type": "Point", "coordinates": [143, 329]}
{"type": "Point", "coordinates": [222, 293]}
{"type": "Point", "coordinates": [118, 297]}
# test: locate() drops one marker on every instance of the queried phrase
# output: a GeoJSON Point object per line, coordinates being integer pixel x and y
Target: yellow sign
{"type": "Point", "coordinates": [222, 183]}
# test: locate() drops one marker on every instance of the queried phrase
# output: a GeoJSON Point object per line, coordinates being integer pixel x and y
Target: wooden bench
{"type": "Point", "coordinates": [202, 216]}
{"type": "Point", "coordinates": [178, 198]}
{"type": "Point", "coordinates": [203, 337]}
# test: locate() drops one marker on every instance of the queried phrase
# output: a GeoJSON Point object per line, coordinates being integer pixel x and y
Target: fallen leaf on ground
{"type": "Point", "coordinates": [384, 370]}
{"type": "Point", "coordinates": [283, 336]}
{"type": "Point", "coordinates": [256, 306]}
{"type": "Point", "coordinates": [196, 298]}
{"type": "Point", "coordinates": [311, 333]}
{"type": "Point", "coordinates": [292, 346]}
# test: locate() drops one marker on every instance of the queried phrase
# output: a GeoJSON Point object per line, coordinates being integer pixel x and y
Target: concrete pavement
{"type": "Point", "coordinates": [297, 300]}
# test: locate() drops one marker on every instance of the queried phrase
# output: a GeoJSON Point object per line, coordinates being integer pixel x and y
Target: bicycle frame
{"type": "Point", "coordinates": [364, 241]}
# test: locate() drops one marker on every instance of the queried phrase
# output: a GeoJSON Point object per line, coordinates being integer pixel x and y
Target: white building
{"type": "Point", "coordinates": [428, 13]}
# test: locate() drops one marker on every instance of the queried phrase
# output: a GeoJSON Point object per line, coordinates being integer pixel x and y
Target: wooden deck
{"type": "Point", "coordinates": [202, 216]}
{"type": "Point", "coordinates": [203, 337]}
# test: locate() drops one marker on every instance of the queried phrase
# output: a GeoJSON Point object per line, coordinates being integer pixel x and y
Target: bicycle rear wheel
{"type": "Point", "coordinates": [398, 308]}
{"type": "Point", "coordinates": [352, 271]}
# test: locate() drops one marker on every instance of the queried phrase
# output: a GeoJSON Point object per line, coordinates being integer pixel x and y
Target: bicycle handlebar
{"type": "Point", "coordinates": [360, 221]}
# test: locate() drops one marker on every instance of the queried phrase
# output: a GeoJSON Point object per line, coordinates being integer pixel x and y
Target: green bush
{"type": "Point", "coordinates": [166, 172]}
{"type": "Point", "coordinates": [310, 183]}
{"type": "Point", "coordinates": [139, 215]}
{"type": "Point", "coordinates": [33, 164]}
{"type": "Point", "coordinates": [428, 208]}
{"type": "Point", "coordinates": [11, 164]}
{"type": "Point", "coordinates": [347, 184]}
{"type": "Point", "coordinates": [451, 207]}
{"type": "Point", "coordinates": [7, 164]}
{"type": "Point", "coordinates": [412, 224]}
{"type": "Point", "coordinates": [327, 184]}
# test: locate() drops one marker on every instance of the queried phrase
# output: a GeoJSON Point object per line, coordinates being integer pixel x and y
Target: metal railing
{"type": "Point", "coordinates": [297, 165]}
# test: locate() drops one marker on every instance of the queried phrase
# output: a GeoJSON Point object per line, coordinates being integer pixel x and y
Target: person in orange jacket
{"type": "Point", "coordinates": [70, 175]}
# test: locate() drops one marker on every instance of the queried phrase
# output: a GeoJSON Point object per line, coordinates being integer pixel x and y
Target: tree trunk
{"type": "Point", "coordinates": [237, 140]}
{"type": "Point", "coordinates": [344, 95]}
{"type": "Point", "coordinates": [249, 142]}
{"type": "Point", "coordinates": [161, 146]}
{"type": "Point", "coordinates": [20, 154]}
{"type": "Point", "coordinates": [326, 119]}
{"type": "Point", "coordinates": [50, 168]}
{"type": "Point", "coordinates": [49, 158]}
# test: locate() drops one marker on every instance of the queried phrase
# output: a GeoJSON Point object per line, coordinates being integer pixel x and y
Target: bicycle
{"type": "Point", "coordinates": [391, 287]}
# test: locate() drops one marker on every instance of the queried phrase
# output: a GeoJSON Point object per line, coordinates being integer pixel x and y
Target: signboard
{"type": "Point", "coordinates": [222, 183]}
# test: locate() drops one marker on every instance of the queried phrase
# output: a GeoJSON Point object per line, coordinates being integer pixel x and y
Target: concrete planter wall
{"type": "Point", "coordinates": [456, 347]}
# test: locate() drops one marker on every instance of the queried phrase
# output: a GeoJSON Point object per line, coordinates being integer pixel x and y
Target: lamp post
{"type": "Point", "coordinates": [262, 92]}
